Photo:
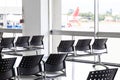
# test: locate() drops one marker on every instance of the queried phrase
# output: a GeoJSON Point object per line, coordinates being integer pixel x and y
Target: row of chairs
{"type": "Point", "coordinates": [31, 65]}
{"type": "Point", "coordinates": [22, 41]}
{"type": "Point", "coordinates": [98, 47]}
{"type": "Point", "coordinates": [82, 45]}
{"type": "Point", "coordinates": [27, 42]}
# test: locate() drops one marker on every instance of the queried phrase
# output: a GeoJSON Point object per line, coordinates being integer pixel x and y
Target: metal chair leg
{"type": "Point", "coordinates": [99, 63]}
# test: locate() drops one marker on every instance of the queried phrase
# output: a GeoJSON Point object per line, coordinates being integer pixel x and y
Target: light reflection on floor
{"type": "Point", "coordinates": [80, 71]}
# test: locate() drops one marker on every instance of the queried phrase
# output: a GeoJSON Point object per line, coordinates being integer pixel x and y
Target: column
{"type": "Point", "coordinates": [56, 22]}
{"type": "Point", "coordinates": [35, 15]}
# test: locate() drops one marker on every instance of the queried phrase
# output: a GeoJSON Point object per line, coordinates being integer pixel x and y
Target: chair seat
{"type": "Point", "coordinates": [4, 75]}
{"type": "Point", "coordinates": [54, 67]}
{"type": "Point", "coordinates": [28, 71]}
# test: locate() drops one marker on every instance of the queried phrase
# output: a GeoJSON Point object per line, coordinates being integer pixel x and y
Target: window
{"type": "Point", "coordinates": [109, 16]}
{"type": "Point", "coordinates": [97, 16]}
{"type": "Point", "coordinates": [10, 13]}
{"type": "Point", "coordinates": [78, 15]}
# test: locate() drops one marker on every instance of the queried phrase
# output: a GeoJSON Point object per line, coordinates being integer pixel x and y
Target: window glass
{"type": "Point", "coordinates": [10, 3]}
{"type": "Point", "coordinates": [109, 16]}
{"type": "Point", "coordinates": [10, 13]}
{"type": "Point", "coordinates": [78, 15]}
{"type": "Point", "coordinates": [113, 51]}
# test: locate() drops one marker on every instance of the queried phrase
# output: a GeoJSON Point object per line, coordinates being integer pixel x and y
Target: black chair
{"type": "Point", "coordinates": [30, 65]}
{"type": "Point", "coordinates": [37, 41]}
{"type": "Point", "coordinates": [55, 63]}
{"type": "Point", "coordinates": [7, 42]}
{"type": "Point", "coordinates": [99, 46]}
{"type": "Point", "coordinates": [106, 74]}
{"type": "Point", "coordinates": [66, 46]}
{"type": "Point", "coordinates": [6, 68]}
{"type": "Point", "coordinates": [83, 45]}
{"type": "Point", "coordinates": [22, 41]}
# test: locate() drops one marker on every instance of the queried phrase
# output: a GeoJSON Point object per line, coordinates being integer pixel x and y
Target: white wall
{"type": "Point", "coordinates": [31, 16]}
{"type": "Point", "coordinates": [45, 25]}
{"type": "Point", "coordinates": [35, 15]}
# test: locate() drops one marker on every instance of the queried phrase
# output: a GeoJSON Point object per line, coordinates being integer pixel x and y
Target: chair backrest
{"type": "Point", "coordinates": [30, 61]}
{"type": "Point", "coordinates": [7, 42]}
{"type": "Point", "coordinates": [6, 64]}
{"type": "Point", "coordinates": [66, 46]}
{"type": "Point", "coordinates": [99, 43]}
{"type": "Point", "coordinates": [6, 68]}
{"type": "Point", "coordinates": [22, 41]}
{"type": "Point", "coordinates": [55, 62]}
{"type": "Point", "coordinates": [56, 58]}
{"type": "Point", "coordinates": [30, 65]}
{"type": "Point", "coordinates": [83, 44]}
{"type": "Point", "coordinates": [37, 40]}
{"type": "Point", "coordinates": [107, 74]}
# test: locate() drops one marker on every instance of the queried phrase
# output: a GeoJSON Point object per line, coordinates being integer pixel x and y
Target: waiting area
{"type": "Point", "coordinates": [61, 65]}
{"type": "Point", "coordinates": [59, 40]}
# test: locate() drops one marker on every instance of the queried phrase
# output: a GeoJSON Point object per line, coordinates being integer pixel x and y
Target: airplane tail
{"type": "Point", "coordinates": [76, 12]}
{"type": "Point", "coordinates": [74, 19]}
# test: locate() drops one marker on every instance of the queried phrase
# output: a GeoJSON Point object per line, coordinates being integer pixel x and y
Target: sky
{"type": "Point", "coordinates": [10, 3]}
{"type": "Point", "coordinates": [84, 5]}
{"type": "Point", "coordinates": [88, 5]}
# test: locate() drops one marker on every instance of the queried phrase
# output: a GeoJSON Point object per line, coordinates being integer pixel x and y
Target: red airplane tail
{"type": "Point", "coordinates": [74, 19]}
{"type": "Point", "coordinates": [76, 12]}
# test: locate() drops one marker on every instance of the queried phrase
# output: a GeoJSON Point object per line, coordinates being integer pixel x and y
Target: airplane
{"type": "Point", "coordinates": [74, 20]}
